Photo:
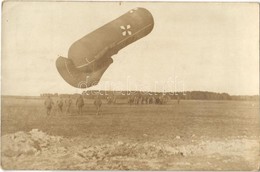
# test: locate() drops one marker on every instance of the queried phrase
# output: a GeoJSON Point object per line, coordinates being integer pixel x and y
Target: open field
{"type": "Point", "coordinates": [194, 135]}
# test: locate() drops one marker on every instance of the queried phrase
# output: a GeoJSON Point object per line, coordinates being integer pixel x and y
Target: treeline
{"type": "Point", "coordinates": [249, 98]}
{"type": "Point", "coordinates": [187, 95]}
{"type": "Point", "coordinates": [205, 95]}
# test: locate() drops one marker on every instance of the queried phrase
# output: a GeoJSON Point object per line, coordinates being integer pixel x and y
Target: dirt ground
{"type": "Point", "coordinates": [194, 135]}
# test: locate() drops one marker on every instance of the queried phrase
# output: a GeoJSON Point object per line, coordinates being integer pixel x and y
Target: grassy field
{"type": "Point", "coordinates": [188, 123]}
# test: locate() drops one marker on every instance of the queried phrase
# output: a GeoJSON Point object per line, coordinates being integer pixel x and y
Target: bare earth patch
{"type": "Point", "coordinates": [38, 150]}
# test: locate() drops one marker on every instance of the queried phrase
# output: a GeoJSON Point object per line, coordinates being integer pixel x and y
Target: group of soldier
{"type": "Point", "coordinates": [138, 99]}
{"type": "Point", "coordinates": [141, 99]}
{"type": "Point", "coordinates": [66, 103]}
{"type": "Point", "coordinates": [63, 105]}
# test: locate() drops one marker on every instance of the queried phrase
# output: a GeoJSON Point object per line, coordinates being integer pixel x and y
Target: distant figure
{"type": "Point", "coordinates": [68, 103]}
{"type": "Point", "coordinates": [135, 100]}
{"type": "Point", "coordinates": [114, 99]}
{"type": "Point", "coordinates": [130, 100]}
{"type": "Point", "coordinates": [148, 100]}
{"type": "Point", "coordinates": [109, 100]}
{"type": "Point", "coordinates": [60, 104]}
{"type": "Point", "coordinates": [98, 104]}
{"type": "Point", "coordinates": [154, 100]}
{"type": "Point", "coordinates": [48, 104]}
{"type": "Point", "coordinates": [178, 99]}
{"type": "Point", "coordinates": [80, 104]}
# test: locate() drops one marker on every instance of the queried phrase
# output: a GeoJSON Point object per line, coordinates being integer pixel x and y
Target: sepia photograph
{"type": "Point", "coordinates": [140, 86]}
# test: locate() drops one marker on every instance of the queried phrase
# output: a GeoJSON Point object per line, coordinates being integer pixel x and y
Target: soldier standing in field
{"type": "Point", "coordinates": [48, 104]}
{"type": "Point", "coordinates": [98, 104]}
{"type": "Point", "coordinates": [60, 104]}
{"type": "Point", "coordinates": [80, 104]}
{"type": "Point", "coordinates": [68, 104]}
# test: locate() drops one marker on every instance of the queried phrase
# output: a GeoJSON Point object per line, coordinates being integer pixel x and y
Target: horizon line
{"type": "Point", "coordinates": [131, 91]}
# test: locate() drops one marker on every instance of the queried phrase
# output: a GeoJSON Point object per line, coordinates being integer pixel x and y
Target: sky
{"type": "Point", "coordinates": [193, 46]}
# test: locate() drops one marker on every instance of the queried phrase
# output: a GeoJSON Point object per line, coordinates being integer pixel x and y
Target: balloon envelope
{"type": "Point", "coordinates": [90, 56]}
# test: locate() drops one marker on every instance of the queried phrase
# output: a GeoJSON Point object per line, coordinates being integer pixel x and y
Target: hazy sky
{"type": "Point", "coordinates": [193, 46]}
